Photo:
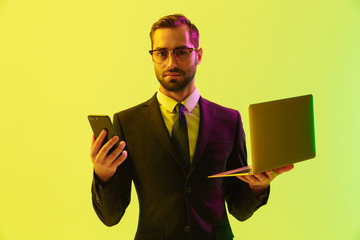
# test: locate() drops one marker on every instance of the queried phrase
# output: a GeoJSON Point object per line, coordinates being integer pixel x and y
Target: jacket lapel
{"type": "Point", "coordinates": [207, 116]}
{"type": "Point", "coordinates": [153, 116]}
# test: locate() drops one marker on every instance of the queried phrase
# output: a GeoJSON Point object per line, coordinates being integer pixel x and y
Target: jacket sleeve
{"type": "Point", "coordinates": [240, 199]}
{"type": "Point", "coordinates": [111, 200]}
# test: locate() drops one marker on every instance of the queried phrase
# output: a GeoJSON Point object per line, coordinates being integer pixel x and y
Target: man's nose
{"type": "Point", "coordinates": [171, 60]}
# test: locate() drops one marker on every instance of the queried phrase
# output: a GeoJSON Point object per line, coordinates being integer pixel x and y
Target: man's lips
{"type": "Point", "coordinates": [173, 74]}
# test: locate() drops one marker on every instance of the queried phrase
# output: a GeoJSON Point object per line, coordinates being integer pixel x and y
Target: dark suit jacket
{"type": "Point", "coordinates": [174, 205]}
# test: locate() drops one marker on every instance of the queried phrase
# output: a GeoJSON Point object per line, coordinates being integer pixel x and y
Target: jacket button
{"type": "Point", "coordinates": [188, 190]}
{"type": "Point", "coordinates": [187, 229]}
{"type": "Point", "coordinates": [98, 199]}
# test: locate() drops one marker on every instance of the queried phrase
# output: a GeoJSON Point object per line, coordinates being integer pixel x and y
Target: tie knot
{"type": "Point", "coordinates": [180, 108]}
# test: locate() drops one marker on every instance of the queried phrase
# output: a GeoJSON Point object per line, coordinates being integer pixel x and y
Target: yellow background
{"type": "Point", "coordinates": [61, 60]}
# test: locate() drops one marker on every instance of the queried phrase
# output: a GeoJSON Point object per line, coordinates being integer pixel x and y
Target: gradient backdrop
{"type": "Point", "coordinates": [61, 60]}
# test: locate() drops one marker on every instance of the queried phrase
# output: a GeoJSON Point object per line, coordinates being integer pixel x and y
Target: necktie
{"type": "Point", "coordinates": [179, 137]}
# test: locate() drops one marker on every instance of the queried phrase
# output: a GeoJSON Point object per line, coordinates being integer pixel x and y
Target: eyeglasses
{"type": "Point", "coordinates": [180, 54]}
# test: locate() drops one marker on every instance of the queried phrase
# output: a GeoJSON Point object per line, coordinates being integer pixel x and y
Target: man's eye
{"type": "Point", "coordinates": [181, 52]}
{"type": "Point", "coordinates": [162, 53]}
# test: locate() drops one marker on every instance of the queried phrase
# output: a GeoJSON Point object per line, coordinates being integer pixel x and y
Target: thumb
{"type": "Point", "coordinates": [284, 169]}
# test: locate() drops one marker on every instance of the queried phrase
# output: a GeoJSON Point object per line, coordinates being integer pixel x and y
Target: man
{"type": "Point", "coordinates": [169, 163]}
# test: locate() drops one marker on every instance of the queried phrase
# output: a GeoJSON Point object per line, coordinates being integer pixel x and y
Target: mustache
{"type": "Point", "coordinates": [174, 70]}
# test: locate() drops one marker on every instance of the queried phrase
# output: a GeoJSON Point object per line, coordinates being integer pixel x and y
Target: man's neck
{"type": "Point", "coordinates": [178, 96]}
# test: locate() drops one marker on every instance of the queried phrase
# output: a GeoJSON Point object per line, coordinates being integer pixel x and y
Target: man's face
{"type": "Point", "coordinates": [175, 76]}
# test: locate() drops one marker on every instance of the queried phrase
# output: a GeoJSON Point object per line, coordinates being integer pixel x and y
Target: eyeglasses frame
{"type": "Point", "coordinates": [171, 51]}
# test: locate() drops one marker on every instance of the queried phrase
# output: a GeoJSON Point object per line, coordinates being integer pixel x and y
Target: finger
{"type": "Point", "coordinates": [246, 179]}
{"type": "Point", "coordinates": [283, 169]}
{"type": "Point", "coordinates": [120, 159]}
{"type": "Point", "coordinates": [117, 151]}
{"type": "Point", "coordinates": [271, 175]}
{"type": "Point", "coordinates": [262, 177]}
{"type": "Point", "coordinates": [104, 151]}
{"type": "Point", "coordinates": [251, 179]}
{"type": "Point", "coordinates": [92, 141]}
{"type": "Point", "coordinates": [242, 178]}
{"type": "Point", "coordinates": [97, 144]}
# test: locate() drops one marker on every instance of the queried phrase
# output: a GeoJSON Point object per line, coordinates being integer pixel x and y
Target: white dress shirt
{"type": "Point", "coordinates": [192, 114]}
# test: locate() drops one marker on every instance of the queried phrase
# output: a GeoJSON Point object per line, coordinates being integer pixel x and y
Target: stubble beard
{"type": "Point", "coordinates": [174, 84]}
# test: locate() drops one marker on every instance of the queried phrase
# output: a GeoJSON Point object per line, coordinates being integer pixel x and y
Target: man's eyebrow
{"type": "Point", "coordinates": [179, 47]}
{"type": "Point", "coordinates": [160, 48]}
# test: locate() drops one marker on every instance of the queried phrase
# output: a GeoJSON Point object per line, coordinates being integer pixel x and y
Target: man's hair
{"type": "Point", "coordinates": [173, 21]}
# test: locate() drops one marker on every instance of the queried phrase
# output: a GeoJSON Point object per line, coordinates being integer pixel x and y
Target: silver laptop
{"type": "Point", "coordinates": [281, 133]}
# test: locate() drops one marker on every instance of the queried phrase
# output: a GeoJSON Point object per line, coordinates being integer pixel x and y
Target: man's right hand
{"type": "Point", "coordinates": [105, 165]}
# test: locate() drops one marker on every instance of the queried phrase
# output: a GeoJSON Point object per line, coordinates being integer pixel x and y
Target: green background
{"type": "Point", "coordinates": [61, 60]}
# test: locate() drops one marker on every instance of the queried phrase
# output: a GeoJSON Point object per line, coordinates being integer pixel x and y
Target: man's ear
{"type": "Point", "coordinates": [199, 54]}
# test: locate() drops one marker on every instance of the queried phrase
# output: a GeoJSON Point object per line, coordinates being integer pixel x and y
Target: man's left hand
{"type": "Point", "coordinates": [261, 181]}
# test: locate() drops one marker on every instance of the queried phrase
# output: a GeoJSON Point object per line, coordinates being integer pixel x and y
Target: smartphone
{"type": "Point", "coordinates": [100, 122]}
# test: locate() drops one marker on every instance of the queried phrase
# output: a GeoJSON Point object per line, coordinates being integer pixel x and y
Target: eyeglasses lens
{"type": "Point", "coordinates": [181, 55]}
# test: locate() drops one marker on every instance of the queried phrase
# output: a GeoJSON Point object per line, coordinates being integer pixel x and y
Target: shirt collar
{"type": "Point", "coordinates": [169, 103]}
